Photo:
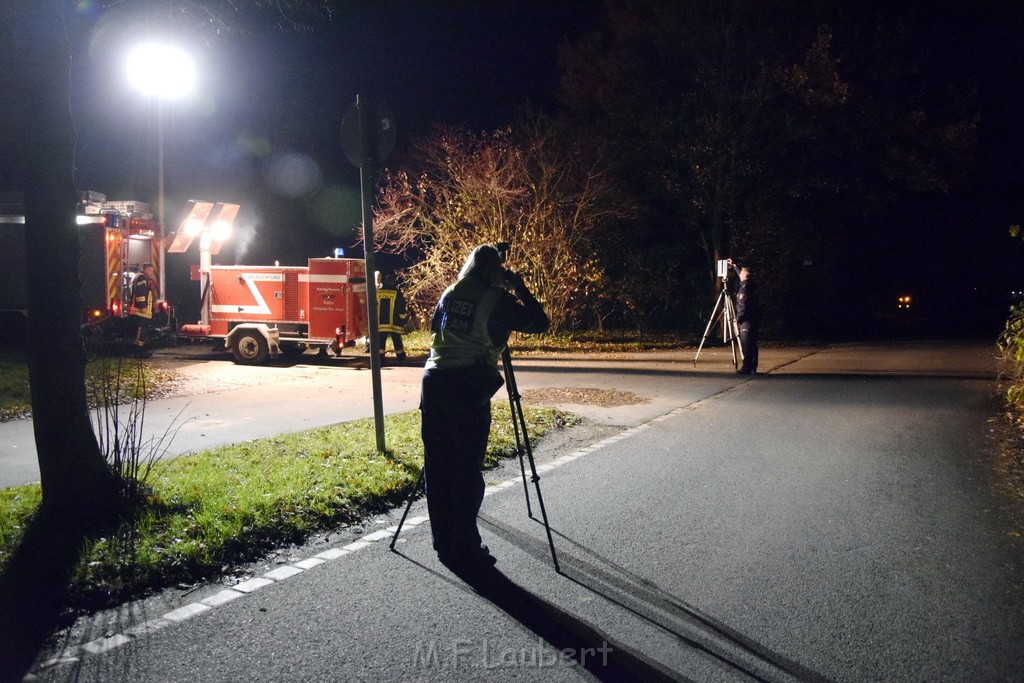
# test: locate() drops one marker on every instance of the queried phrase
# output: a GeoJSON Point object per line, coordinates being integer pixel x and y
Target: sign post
{"type": "Point", "coordinates": [367, 137]}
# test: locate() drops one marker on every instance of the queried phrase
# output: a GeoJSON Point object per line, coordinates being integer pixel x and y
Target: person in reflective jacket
{"type": "Point", "coordinates": [392, 315]}
{"type": "Point", "coordinates": [141, 307]}
{"type": "Point", "coordinates": [469, 329]}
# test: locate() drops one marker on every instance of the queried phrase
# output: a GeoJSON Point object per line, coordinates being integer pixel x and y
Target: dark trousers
{"type": "Point", "coordinates": [396, 343]}
{"type": "Point", "coordinates": [140, 330]}
{"type": "Point", "coordinates": [748, 343]}
{"type": "Point", "coordinates": [455, 426]}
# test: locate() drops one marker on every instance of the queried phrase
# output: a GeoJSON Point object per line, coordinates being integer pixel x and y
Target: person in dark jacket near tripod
{"type": "Point", "coordinates": [748, 317]}
{"type": "Point", "coordinates": [470, 327]}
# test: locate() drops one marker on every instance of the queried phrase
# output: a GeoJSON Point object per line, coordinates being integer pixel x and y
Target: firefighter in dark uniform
{"type": "Point", "coordinates": [470, 327]}
{"type": "Point", "coordinates": [392, 315]}
{"type": "Point", "coordinates": [748, 317]}
{"type": "Point", "coordinates": [140, 308]}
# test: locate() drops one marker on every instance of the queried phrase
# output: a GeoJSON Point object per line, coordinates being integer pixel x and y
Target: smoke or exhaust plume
{"type": "Point", "coordinates": [242, 237]}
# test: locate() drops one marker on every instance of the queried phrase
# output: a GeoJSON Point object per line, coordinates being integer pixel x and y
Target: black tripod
{"type": "Point", "coordinates": [522, 446]}
{"type": "Point", "coordinates": [724, 308]}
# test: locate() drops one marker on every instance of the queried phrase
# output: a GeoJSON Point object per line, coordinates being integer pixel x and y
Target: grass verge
{"type": "Point", "coordinates": [607, 341]}
{"type": "Point", "coordinates": [213, 511]}
{"type": "Point", "coordinates": [15, 397]}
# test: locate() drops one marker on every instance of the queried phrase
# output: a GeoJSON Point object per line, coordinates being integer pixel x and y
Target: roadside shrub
{"type": "Point", "coordinates": [1011, 355]}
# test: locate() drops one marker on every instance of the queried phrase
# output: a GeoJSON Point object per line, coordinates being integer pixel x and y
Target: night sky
{"type": "Point", "coordinates": [263, 129]}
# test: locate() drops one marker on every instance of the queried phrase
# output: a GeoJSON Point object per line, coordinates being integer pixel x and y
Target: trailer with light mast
{"type": "Point", "coordinates": [260, 313]}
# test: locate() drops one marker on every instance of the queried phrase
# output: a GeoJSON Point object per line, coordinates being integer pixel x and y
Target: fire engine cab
{"type": "Point", "coordinates": [116, 239]}
{"type": "Point", "coordinates": [263, 312]}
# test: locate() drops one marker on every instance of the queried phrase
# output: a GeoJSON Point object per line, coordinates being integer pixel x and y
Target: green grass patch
{"type": "Point", "coordinates": [16, 506]}
{"type": "Point", "coordinates": [128, 378]}
{"type": "Point", "coordinates": [14, 390]}
{"type": "Point", "coordinates": [215, 510]}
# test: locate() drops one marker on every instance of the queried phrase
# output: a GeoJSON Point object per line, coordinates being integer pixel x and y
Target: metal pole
{"type": "Point", "coordinates": [205, 261]}
{"type": "Point", "coordinates": [412, 498]}
{"type": "Point", "coordinates": [367, 152]}
{"type": "Point", "coordinates": [160, 191]}
{"type": "Point", "coordinates": [513, 397]}
{"type": "Point", "coordinates": [517, 416]}
{"type": "Point", "coordinates": [707, 330]}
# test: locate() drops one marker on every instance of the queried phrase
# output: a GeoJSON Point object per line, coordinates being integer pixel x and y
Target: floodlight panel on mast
{"type": "Point", "coordinates": [197, 214]}
{"type": "Point", "coordinates": [219, 224]}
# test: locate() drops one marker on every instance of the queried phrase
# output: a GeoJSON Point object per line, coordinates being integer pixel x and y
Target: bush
{"type": "Point", "coordinates": [1011, 348]}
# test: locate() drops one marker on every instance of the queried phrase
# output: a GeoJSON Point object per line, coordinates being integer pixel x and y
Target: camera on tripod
{"type": "Point", "coordinates": [723, 268]}
{"type": "Point", "coordinates": [502, 248]}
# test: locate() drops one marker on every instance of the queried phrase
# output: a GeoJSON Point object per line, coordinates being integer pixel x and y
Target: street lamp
{"type": "Point", "coordinates": [164, 72]}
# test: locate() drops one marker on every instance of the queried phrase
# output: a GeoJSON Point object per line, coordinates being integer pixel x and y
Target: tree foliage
{"type": "Point", "coordinates": [752, 129]}
{"type": "Point", "coordinates": [531, 186]}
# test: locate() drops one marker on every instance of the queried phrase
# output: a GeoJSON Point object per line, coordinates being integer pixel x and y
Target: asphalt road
{"type": "Point", "coordinates": [834, 519]}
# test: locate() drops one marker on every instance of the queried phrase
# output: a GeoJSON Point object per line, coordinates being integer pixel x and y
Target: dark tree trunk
{"type": "Point", "coordinates": [80, 494]}
{"type": "Point", "coordinates": [73, 472]}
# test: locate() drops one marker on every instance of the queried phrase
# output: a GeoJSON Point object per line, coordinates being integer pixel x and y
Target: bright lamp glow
{"type": "Point", "coordinates": [193, 226]}
{"type": "Point", "coordinates": [221, 230]}
{"type": "Point", "coordinates": [160, 70]}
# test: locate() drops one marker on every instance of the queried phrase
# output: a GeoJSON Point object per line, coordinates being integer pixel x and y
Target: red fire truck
{"type": "Point", "coordinates": [262, 312]}
{"type": "Point", "coordinates": [116, 238]}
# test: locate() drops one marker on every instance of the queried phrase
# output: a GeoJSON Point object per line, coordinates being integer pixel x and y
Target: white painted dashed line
{"type": "Point", "coordinates": [62, 658]}
{"type": "Point", "coordinates": [358, 545]}
{"type": "Point", "coordinates": [107, 643]}
{"type": "Point", "coordinates": [253, 585]}
{"type": "Point", "coordinates": [282, 573]}
{"type": "Point", "coordinates": [310, 563]}
{"type": "Point", "coordinates": [150, 626]}
{"type": "Point", "coordinates": [222, 598]}
{"type": "Point", "coordinates": [187, 611]}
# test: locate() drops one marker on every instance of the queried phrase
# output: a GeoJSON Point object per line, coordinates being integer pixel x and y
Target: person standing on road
{"type": "Point", "coordinates": [470, 327]}
{"type": "Point", "coordinates": [748, 317]}
{"type": "Point", "coordinates": [140, 308]}
{"type": "Point", "coordinates": [392, 315]}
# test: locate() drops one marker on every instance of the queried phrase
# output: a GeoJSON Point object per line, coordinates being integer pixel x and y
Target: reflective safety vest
{"type": "Point", "coordinates": [391, 315]}
{"type": "Point", "coordinates": [459, 336]}
{"type": "Point", "coordinates": [142, 297]}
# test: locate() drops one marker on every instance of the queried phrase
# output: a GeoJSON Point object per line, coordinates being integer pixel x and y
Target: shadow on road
{"type": "Point", "coordinates": [569, 637]}
{"type": "Point", "coordinates": [33, 590]}
{"type": "Point", "coordinates": [737, 652]}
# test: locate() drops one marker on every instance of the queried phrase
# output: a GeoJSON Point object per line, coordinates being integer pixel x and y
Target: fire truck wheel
{"type": "Point", "coordinates": [250, 348]}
